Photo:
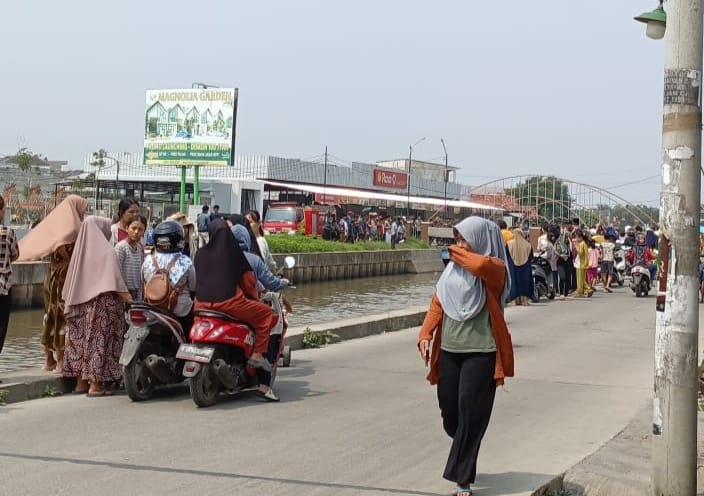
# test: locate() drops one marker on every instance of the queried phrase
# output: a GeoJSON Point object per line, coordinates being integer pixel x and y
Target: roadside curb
{"type": "Point", "coordinates": [31, 384]}
{"type": "Point", "coordinates": [554, 487]}
{"type": "Point", "coordinates": [360, 327]}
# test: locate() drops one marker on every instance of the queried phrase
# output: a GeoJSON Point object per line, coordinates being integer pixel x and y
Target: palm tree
{"type": "Point", "coordinates": [99, 162]}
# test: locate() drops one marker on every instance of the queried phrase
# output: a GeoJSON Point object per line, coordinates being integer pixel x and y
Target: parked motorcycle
{"type": "Point", "coordinates": [620, 267]}
{"type": "Point", "coordinates": [542, 280]}
{"type": "Point", "coordinates": [149, 351]}
{"type": "Point", "coordinates": [220, 345]}
{"type": "Point", "coordinates": [640, 280]}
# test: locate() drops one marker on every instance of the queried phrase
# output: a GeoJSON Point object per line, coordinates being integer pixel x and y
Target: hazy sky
{"type": "Point", "coordinates": [549, 86]}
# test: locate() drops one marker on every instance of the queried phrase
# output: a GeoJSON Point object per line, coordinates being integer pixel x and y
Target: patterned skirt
{"type": "Point", "coordinates": [94, 338]}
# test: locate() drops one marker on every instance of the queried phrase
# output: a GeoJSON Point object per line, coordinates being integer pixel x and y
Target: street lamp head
{"type": "Point", "coordinates": [655, 22]}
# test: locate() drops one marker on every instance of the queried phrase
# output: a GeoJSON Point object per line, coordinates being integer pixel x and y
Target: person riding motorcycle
{"type": "Point", "coordinates": [261, 270]}
{"type": "Point", "coordinates": [269, 281]}
{"type": "Point", "coordinates": [168, 243]}
{"type": "Point", "coordinates": [641, 254]}
{"type": "Point", "coordinates": [226, 283]}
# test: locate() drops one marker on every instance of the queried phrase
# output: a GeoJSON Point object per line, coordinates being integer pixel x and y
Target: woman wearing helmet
{"type": "Point", "coordinates": [168, 244]}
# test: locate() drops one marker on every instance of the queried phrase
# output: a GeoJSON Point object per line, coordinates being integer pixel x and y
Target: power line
{"type": "Point", "coordinates": [637, 181]}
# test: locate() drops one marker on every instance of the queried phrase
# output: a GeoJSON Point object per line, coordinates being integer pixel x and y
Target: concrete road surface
{"type": "Point", "coordinates": [356, 418]}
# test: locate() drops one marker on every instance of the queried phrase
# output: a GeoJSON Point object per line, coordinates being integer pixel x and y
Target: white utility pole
{"type": "Point", "coordinates": [674, 460]}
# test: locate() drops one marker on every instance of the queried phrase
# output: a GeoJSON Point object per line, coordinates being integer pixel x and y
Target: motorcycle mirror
{"type": "Point", "coordinates": [289, 262]}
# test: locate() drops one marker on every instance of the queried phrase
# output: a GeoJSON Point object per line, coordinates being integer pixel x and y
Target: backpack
{"type": "Point", "coordinates": [563, 247]}
{"type": "Point", "coordinates": [158, 290]}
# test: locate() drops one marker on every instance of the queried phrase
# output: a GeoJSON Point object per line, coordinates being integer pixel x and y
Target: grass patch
{"type": "Point", "coordinates": [316, 339]}
{"type": "Point", "coordinates": [3, 397]}
{"type": "Point", "coordinates": [286, 243]}
{"type": "Point", "coordinates": [50, 391]}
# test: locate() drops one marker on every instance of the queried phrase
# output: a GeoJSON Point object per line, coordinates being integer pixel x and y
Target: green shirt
{"type": "Point", "coordinates": [470, 336]}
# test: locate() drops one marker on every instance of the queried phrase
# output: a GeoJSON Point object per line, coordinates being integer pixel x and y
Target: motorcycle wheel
{"type": "Point", "coordinates": [638, 293]}
{"type": "Point", "coordinates": [535, 297]}
{"type": "Point", "coordinates": [286, 356]}
{"type": "Point", "coordinates": [139, 383]}
{"type": "Point", "coordinates": [620, 282]}
{"type": "Point", "coordinates": [551, 295]}
{"type": "Point", "coordinates": [204, 387]}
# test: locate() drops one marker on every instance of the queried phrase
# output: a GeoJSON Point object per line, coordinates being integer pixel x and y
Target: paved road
{"type": "Point", "coordinates": [356, 418]}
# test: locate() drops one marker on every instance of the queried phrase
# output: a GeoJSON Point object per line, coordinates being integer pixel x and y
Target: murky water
{"type": "Point", "coordinates": [312, 303]}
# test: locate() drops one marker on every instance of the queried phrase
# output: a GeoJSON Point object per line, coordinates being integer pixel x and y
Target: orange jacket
{"type": "Point", "coordinates": [492, 272]}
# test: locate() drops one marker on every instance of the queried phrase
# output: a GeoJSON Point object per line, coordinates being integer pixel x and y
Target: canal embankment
{"type": "Point", "coordinates": [28, 277]}
{"type": "Point", "coordinates": [28, 384]}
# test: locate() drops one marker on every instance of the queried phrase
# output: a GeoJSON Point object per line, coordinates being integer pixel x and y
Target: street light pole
{"type": "Point", "coordinates": [674, 447]}
{"type": "Point", "coordinates": [410, 161]}
{"type": "Point", "coordinates": [444, 213]}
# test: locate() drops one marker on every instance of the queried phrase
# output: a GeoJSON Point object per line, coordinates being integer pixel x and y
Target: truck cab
{"type": "Point", "coordinates": [282, 217]}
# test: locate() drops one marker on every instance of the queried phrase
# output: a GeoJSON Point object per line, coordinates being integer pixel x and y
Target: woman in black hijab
{"type": "Point", "coordinates": [226, 283]}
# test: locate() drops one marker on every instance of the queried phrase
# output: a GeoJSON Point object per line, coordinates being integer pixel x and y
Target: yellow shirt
{"type": "Point", "coordinates": [507, 235]}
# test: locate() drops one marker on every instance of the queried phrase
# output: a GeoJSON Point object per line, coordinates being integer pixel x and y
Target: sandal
{"type": "Point", "coordinates": [95, 394]}
{"type": "Point", "coordinates": [268, 396]}
{"type": "Point", "coordinates": [461, 491]}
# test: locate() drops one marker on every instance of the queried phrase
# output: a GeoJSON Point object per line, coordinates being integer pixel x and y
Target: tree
{"type": "Point", "coordinates": [547, 197]}
{"type": "Point", "coordinates": [99, 161]}
{"type": "Point", "coordinates": [629, 215]}
{"type": "Point", "coordinates": [24, 162]}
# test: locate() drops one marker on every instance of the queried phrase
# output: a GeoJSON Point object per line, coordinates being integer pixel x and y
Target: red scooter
{"type": "Point", "coordinates": [220, 345]}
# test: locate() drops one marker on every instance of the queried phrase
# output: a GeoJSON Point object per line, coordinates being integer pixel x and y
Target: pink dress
{"type": "Point", "coordinates": [593, 271]}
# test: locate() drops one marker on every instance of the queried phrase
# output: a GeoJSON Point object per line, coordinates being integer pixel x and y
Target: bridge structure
{"type": "Point", "coordinates": [534, 199]}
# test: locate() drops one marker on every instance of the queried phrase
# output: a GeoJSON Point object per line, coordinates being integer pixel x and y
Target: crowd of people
{"type": "Point", "coordinates": [580, 258]}
{"type": "Point", "coordinates": [372, 226]}
{"type": "Point", "coordinates": [98, 267]}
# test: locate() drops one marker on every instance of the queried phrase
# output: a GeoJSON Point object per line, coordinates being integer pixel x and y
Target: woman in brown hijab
{"type": "Point", "coordinates": [54, 237]}
{"type": "Point", "coordinates": [521, 258]}
{"type": "Point", "coordinates": [94, 294]}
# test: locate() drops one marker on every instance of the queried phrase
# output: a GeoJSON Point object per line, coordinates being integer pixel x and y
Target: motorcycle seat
{"type": "Point", "coordinates": [152, 308]}
{"type": "Point", "coordinates": [216, 314]}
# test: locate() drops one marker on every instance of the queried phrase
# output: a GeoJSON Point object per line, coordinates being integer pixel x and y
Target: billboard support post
{"type": "Point", "coordinates": [196, 185]}
{"type": "Point", "coordinates": [182, 193]}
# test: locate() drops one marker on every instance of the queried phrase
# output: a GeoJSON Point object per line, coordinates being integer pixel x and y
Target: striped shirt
{"type": "Point", "coordinates": [130, 260]}
{"type": "Point", "coordinates": [9, 251]}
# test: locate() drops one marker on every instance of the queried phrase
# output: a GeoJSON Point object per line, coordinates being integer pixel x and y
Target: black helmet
{"type": "Point", "coordinates": [168, 237]}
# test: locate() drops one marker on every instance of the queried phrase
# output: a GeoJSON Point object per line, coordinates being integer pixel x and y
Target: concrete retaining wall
{"type": "Point", "coordinates": [331, 266]}
{"type": "Point", "coordinates": [28, 277]}
{"type": "Point", "coordinates": [28, 284]}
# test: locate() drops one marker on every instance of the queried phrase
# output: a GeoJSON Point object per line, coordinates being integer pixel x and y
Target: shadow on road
{"type": "Point", "coordinates": [205, 473]}
{"type": "Point", "coordinates": [507, 483]}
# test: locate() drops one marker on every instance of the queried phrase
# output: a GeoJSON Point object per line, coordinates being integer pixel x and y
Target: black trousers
{"type": "Point", "coordinates": [5, 302]}
{"type": "Point", "coordinates": [466, 390]}
{"type": "Point", "coordinates": [564, 272]}
{"type": "Point", "coordinates": [274, 344]}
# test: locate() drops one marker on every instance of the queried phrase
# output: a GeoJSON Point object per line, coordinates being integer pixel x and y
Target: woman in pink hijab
{"type": "Point", "coordinates": [94, 295]}
{"type": "Point", "coordinates": [54, 238]}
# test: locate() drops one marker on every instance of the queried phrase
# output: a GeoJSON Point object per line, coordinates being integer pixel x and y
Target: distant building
{"type": "Point", "coordinates": [431, 171]}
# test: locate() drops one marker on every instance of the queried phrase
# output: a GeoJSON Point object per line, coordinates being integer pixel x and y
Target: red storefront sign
{"type": "Point", "coordinates": [327, 199]}
{"type": "Point", "coordinates": [389, 179]}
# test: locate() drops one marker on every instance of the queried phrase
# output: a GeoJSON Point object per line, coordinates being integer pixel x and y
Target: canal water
{"type": "Point", "coordinates": [314, 303]}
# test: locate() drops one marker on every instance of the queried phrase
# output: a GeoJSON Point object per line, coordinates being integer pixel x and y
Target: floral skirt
{"type": "Point", "coordinates": [94, 338]}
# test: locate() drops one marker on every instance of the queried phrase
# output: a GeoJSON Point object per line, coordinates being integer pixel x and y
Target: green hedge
{"type": "Point", "coordinates": [286, 243]}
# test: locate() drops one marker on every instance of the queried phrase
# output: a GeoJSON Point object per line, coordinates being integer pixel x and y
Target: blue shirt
{"type": "Point", "coordinates": [264, 275]}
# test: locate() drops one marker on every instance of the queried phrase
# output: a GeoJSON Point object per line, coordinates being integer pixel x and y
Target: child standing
{"type": "Point", "coordinates": [593, 271]}
{"type": "Point", "coordinates": [582, 265]}
{"type": "Point", "coordinates": [130, 255]}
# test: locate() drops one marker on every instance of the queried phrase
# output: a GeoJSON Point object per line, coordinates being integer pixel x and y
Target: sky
{"type": "Point", "coordinates": [514, 88]}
